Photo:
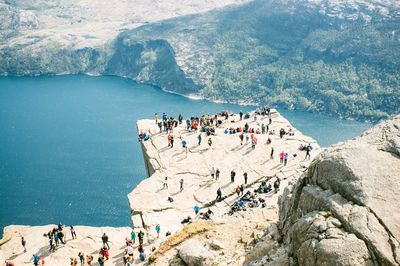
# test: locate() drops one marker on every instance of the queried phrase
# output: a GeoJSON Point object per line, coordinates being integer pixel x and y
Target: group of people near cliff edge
{"type": "Point", "coordinates": [57, 239]}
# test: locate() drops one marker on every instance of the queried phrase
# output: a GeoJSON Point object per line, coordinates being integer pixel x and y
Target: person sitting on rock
{"type": "Point", "coordinates": [89, 259]}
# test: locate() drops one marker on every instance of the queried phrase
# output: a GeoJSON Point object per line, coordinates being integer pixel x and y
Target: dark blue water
{"type": "Point", "coordinates": [69, 151]}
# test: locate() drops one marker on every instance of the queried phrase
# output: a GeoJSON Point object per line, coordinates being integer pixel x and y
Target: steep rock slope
{"type": "Point", "coordinates": [344, 211]}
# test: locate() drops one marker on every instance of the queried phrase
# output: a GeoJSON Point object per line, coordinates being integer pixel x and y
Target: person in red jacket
{"type": "Point", "coordinates": [104, 252]}
{"type": "Point", "coordinates": [281, 156]}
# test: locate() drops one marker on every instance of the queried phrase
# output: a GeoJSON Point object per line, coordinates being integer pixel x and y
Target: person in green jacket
{"type": "Point", "coordinates": [133, 236]}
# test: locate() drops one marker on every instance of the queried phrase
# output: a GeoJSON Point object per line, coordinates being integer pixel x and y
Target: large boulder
{"type": "Point", "coordinates": [194, 253]}
{"type": "Point", "coordinates": [344, 211]}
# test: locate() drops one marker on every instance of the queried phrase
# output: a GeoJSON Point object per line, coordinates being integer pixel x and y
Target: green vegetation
{"type": "Point", "coordinates": [338, 60]}
{"type": "Point", "coordinates": [269, 53]}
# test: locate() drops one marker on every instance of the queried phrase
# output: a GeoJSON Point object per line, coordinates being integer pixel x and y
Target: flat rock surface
{"type": "Point", "coordinates": [148, 200]}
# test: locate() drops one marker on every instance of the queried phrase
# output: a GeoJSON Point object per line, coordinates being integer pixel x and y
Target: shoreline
{"type": "Point", "coordinates": [196, 97]}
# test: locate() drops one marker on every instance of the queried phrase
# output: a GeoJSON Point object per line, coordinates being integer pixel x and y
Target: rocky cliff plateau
{"type": "Point", "coordinates": [339, 208]}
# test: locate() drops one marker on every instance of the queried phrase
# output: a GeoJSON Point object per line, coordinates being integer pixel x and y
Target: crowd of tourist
{"type": "Point", "coordinates": [205, 127]}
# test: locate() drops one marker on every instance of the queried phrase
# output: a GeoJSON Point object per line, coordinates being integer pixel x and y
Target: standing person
{"type": "Point", "coordinates": [35, 259]}
{"type": "Point", "coordinates": [61, 236]}
{"type": "Point", "coordinates": [308, 151]}
{"type": "Point", "coordinates": [233, 176]}
{"type": "Point", "coordinates": [104, 238]}
{"type": "Point", "coordinates": [165, 184]}
{"type": "Point", "coordinates": [219, 194]}
{"type": "Point", "coordinates": [129, 252]}
{"type": "Point", "coordinates": [56, 238]}
{"type": "Point", "coordinates": [104, 252]}
{"type": "Point", "coordinates": [286, 158]}
{"type": "Point", "coordinates": [184, 145]}
{"type": "Point", "coordinates": [73, 233]}
{"type": "Point", "coordinates": [196, 210]}
{"type": "Point", "coordinates": [212, 172]}
{"type": "Point", "coordinates": [241, 115]}
{"type": "Point", "coordinates": [199, 139]}
{"type": "Point", "coordinates": [209, 142]}
{"type": "Point", "coordinates": [141, 237]}
{"type": "Point", "coordinates": [181, 184]}
{"type": "Point", "coordinates": [23, 243]}
{"type": "Point", "coordinates": [81, 257]}
{"type": "Point", "coordinates": [172, 141]}
{"type": "Point", "coordinates": [272, 153]}
{"type": "Point", "coordinates": [241, 189]}
{"type": "Point", "coordinates": [245, 178]}
{"type": "Point", "coordinates": [158, 229]}
{"type": "Point", "coordinates": [281, 156]}
{"type": "Point", "coordinates": [241, 138]}
{"type": "Point", "coordinates": [160, 124]}
{"type": "Point", "coordinates": [156, 118]}
{"type": "Point", "coordinates": [133, 236]}
{"type": "Point", "coordinates": [169, 140]}
{"type": "Point", "coordinates": [217, 174]}
{"type": "Point", "coordinates": [247, 138]}
{"type": "Point", "coordinates": [52, 246]}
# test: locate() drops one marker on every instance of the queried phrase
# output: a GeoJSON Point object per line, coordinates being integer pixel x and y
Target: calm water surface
{"type": "Point", "coordinates": [68, 146]}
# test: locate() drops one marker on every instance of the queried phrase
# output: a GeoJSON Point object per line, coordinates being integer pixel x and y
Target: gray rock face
{"type": "Point", "coordinates": [8, 21]}
{"type": "Point", "coordinates": [345, 209]}
{"type": "Point", "coordinates": [193, 253]}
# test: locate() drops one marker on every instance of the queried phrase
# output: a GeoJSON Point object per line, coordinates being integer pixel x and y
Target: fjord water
{"type": "Point", "coordinates": [69, 151]}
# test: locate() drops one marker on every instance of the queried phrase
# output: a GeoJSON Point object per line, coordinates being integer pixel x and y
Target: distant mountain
{"type": "Point", "coordinates": [333, 56]}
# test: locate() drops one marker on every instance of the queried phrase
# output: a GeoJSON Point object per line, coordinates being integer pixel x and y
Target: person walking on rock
{"type": "Point", "coordinates": [158, 229]}
{"type": "Point", "coordinates": [35, 259]}
{"type": "Point", "coordinates": [217, 174]}
{"type": "Point", "coordinates": [308, 151]}
{"type": "Point", "coordinates": [104, 238]}
{"type": "Point", "coordinates": [141, 237]}
{"type": "Point", "coordinates": [165, 184]}
{"type": "Point", "coordinates": [73, 233]}
{"type": "Point", "coordinates": [181, 184]}
{"type": "Point", "coordinates": [196, 210]}
{"type": "Point", "coordinates": [23, 243]}
{"type": "Point", "coordinates": [281, 156]}
{"type": "Point", "coordinates": [219, 195]}
{"type": "Point", "coordinates": [133, 236]}
{"type": "Point", "coordinates": [233, 176]}
{"type": "Point", "coordinates": [81, 257]}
